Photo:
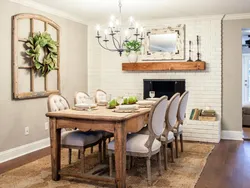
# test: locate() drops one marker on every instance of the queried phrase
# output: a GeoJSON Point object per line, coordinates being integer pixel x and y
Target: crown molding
{"type": "Point", "coordinates": [50, 10]}
{"type": "Point", "coordinates": [237, 16]}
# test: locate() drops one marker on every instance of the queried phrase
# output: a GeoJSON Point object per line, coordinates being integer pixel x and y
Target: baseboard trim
{"type": "Point", "coordinates": [23, 150]}
{"type": "Point", "coordinates": [232, 135]}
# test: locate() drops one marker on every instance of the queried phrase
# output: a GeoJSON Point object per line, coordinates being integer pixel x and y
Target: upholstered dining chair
{"type": "Point", "coordinates": [171, 121]}
{"type": "Point", "coordinates": [80, 97]}
{"type": "Point", "coordinates": [142, 145]}
{"type": "Point", "coordinates": [100, 95]}
{"type": "Point", "coordinates": [74, 139]}
{"type": "Point", "coordinates": [180, 118]}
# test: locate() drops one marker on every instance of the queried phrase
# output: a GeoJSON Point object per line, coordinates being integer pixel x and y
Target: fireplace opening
{"type": "Point", "coordinates": [162, 87]}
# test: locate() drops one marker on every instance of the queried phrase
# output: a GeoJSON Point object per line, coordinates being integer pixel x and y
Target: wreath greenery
{"type": "Point", "coordinates": [35, 44]}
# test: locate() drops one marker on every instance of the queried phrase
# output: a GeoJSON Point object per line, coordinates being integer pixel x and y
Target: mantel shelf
{"type": "Point", "coordinates": [164, 66]}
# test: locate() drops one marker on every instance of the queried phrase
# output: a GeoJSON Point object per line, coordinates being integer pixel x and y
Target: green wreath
{"type": "Point", "coordinates": [35, 44]}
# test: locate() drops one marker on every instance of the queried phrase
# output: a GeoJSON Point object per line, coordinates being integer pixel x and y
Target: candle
{"type": "Point", "coordinates": [105, 33]}
{"type": "Point", "coordinates": [98, 29]}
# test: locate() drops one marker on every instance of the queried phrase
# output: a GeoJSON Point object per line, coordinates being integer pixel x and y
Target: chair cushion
{"type": "Point", "coordinates": [180, 129]}
{"type": "Point", "coordinates": [170, 136]}
{"type": "Point", "coordinates": [136, 143]}
{"type": "Point", "coordinates": [79, 138]}
{"type": "Point", "coordinates": [246, 108]}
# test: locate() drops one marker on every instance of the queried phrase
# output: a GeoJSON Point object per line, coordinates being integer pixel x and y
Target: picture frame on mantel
{"type": "Point", "coordinates": [163, 44]}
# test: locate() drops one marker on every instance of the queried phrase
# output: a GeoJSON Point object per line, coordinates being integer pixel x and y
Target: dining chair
{"type": "Point", "coordinates": [178, 130]}
{"type": "Point", "coordinates": [80, 97]}
{"type": "Point", "coordinates": [170, 121]}
{"type": "Point", "coordinates": [142, 145]}
{"type": "Point", "coordinates": [101, 95]}
{"type": "Point", "coordinates": [74, 139]}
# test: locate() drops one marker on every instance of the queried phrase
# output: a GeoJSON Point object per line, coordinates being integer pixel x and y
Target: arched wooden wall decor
{"type": "Point", "coordinates": [26, 83]}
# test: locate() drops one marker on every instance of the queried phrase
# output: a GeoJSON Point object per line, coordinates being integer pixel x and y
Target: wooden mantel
{"type": "Point", "coordinates": [164, 66]}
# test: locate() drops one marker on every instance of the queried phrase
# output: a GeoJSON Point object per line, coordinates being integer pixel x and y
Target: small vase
{"type": "Point", "coordinates": [132, 57]}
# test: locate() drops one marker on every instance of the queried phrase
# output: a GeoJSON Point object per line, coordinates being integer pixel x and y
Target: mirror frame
{"type": "Point", "coordinates": [159, 56]}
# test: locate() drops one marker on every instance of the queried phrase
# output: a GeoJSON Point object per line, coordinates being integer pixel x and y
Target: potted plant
{"type": "Point", "coordinates": [132, 49]}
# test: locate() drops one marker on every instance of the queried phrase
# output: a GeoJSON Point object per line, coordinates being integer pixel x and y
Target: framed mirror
{"type": "Point", "coordinates": [165, 44]}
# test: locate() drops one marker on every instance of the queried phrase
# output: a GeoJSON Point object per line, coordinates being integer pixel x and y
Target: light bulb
{"type": "Point", "coordinates": [136, 25]}
{"type": "Point", "coordinates": [105, 31]}
{"type": "Point", "coordinates": [112, 18]}
{"type": "Point", "coordinates": [111, 24]}
{"type": "Point", "coordinates": [98, 27]}
{"type": "Point", "coordinates": [117, 22]}
{"type": "Point", "coordinates": [131, 19]}
{"type": "Point", "coordinates": [141, 29]}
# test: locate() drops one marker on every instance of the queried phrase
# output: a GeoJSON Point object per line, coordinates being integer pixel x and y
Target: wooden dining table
{"type": "Point", "coordinates": [101, 119]}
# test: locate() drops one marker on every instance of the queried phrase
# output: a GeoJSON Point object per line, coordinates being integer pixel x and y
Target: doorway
{"type": "Point", "coordinates": [246, 83]}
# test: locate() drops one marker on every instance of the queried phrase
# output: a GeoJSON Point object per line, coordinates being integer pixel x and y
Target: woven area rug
{"type": "Point", "coordinates": [183, 173]}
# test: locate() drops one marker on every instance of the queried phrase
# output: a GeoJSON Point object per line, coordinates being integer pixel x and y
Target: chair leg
{"type": "Point", "coordinates": [92, 149]}
{"type": "Point", "coordinates": [109, 139]}
{"type": "Point", "coordinates": [70, 154]}
{"type": "Point", "coordinates": [149, 171]}
{"type": "Point", "coordinates": [165, 156]}
{"type": "Point", "coordinates": [172, 151]}
{"type": "Point", "coordinates": [129, 163]}
{"type": "Point", "coordinates": [82, 160]}
{"type": "Point", "coordinates": [176, 146]}
{"type": "Point", "coordinates": [110, 165]}
{"type": "Point", "coordinates": [104, 148]}
{"type": "Point", "coordinates": [100, 152]}
{"type": "Point", "coordinates": [79, 154]}
{"type": "Point", "coordinates": [181, 140]}
{"type": "Point", "coordinates": [159, 162]}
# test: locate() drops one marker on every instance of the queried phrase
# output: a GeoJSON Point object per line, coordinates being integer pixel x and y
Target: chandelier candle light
{"type": "Point", "coordinates": [117, 34]}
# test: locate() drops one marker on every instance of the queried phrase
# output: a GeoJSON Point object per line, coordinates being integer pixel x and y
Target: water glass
{"type": "Point", "coordinates": [139, 96]}
{"type": "Point", "coordinates": [89, 101]}
{"type": "Point", "coordinates": [119, 100]}
{"type": "Point", "coordinates": [152, 94]}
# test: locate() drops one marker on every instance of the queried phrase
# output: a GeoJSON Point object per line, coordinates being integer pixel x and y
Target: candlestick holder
{"type": "Point", "coordinates": [198, 49]}
{"type": "Point", "coordinates": [190, 51]}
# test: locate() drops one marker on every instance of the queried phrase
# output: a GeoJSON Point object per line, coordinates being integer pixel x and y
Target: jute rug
{"type": "Point", "coordinates": [183, 173]}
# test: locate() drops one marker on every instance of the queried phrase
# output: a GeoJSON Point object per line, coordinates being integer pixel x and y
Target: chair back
{"type": "Point", "coordinates": [100, 95]}
{"type": "Point", "coordinates": [80, 97]}
{"type": "Point", "coordinates": [57, 103]}
{"type": "Point", "coordinates": [171, 114]}
{"type": "Point", "coordinates": [156, 120]}
{"type": "Point", "coordinates": [182, 107]}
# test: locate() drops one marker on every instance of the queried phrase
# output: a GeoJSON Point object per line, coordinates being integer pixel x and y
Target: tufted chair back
{"type": "Point", "coordinates": [80, 97]}
{"type": "Point", "coordinates": [182, 106]}
{"type": "Point", "coordinates": [100, 96]}
{"type": "Point", "coordinates": [57, 103]}
{"type": "Point", "coordinates": [171, 115]}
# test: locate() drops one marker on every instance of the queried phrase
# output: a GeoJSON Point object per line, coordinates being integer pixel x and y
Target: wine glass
{"type": "Point", "coordinates": [139, 96]}
{"type": "Point", "coordinates": [119, 100]}
{"type": "Point", "coordinates": [152, 94]}
{"type": "Point", "coordinates": [89, 101]}
{"type": "Point", "coordinates": [109, 97]}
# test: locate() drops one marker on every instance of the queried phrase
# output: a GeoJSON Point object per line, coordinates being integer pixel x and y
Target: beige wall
{"type": "Point", "coordinates": [232, 74]}
{"type": "Point", "coordinates": [15, 115]}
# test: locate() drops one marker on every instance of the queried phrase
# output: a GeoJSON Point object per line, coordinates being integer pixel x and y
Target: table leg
{"type": "Point", "coordinates": [120, 155]}
{"type": "Point", "coordinates": [55, 147]}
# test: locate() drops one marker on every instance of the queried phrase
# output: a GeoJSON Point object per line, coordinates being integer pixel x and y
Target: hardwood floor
{"type": "Point", "coordinates": [228, 166]}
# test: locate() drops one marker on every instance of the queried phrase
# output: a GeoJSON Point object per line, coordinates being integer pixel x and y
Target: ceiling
{"type": "Point", "coordinates": [100, 10]}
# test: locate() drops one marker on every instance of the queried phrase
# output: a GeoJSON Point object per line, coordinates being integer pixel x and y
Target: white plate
{"type": "Point", "coordinates": [145, 102]}
{"type": "Point", "coordinates": [152, 99]}
{"type": "Point", "coordinates": [84, 105]}
{"type": "Point", "coordinates": [127, 107]}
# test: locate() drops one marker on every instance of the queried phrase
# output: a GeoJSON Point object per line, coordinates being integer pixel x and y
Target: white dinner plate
{"type": "Point", "coordinates": [145, 102]}
{"type": "Point", "coordinates": [84, 105]}
{"type": "Point", "coordinates": [152, 99]}
{"type": "Point", "coordinates": [127, 107]}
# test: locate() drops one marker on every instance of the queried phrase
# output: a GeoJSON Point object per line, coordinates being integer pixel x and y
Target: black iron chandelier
{"type": "Point", "coordinates": [117, 35]}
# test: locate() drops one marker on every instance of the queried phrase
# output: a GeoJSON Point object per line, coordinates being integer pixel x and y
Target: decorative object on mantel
{"type": "Point", "coordinates": [26, 82]}
{"type": "Point", "coordinates": [165, 44]}
{"type": "Point", "coordinates": [208, 115]}
{"type": "Point", "coordinates": [115, 29]}
{"type": "Point", "coordinates": [42, 41]}
{"type": "Point", "coordinates": [198, 49]}
{"type": "Point", "coordinates": [164, 66]}
{"type": "Point", "coordinates": [190, 51]}
{"type": "Point", "coordinates": [132, 48]}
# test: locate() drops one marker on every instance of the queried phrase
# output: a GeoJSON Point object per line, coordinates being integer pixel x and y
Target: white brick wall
{"type": "Point", "coordinates": [205, 86]}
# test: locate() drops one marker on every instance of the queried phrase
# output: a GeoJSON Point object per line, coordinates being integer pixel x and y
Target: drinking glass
{"type": "Point", "coordinates": [89, 101]}
{"type": "Point", "coordinates": [109, 97]}
{"type": "Point", "coordinates": [152, 94]}
{"type": "Point", "coordinates": [119, 100]}
{"type": "Point", "coordinates": [139, 96]}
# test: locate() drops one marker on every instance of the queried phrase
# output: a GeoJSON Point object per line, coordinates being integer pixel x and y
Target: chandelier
{"type": "Point", "coordinates": [117, 35]}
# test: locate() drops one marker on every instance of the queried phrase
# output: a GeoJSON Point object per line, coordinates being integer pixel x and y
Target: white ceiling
{"type": "Point", "coordinates": [100, 10]}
